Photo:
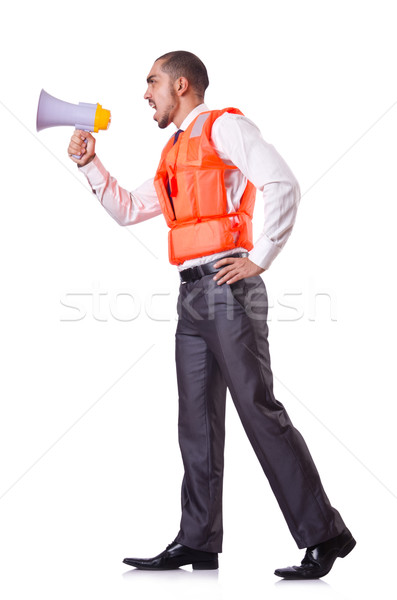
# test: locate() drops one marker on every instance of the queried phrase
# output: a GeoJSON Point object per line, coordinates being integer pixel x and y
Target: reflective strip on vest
{"type": "Point", "coordinates": [198, 125]}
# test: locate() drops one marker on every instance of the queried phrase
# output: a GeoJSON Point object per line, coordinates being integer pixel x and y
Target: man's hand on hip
{"type": "Point", "coordinates": [235, 269]}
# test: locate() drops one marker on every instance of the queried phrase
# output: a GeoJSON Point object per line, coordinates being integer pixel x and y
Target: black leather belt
{"type": "Point", "coordinates": [194, 273]}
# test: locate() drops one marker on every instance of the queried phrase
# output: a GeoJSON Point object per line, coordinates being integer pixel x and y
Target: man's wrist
{"type": "Point", "coordinates": [88, 161]}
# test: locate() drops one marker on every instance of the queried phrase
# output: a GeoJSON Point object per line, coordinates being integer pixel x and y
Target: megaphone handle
{"type": "Point", "coordinates": [77, 155]}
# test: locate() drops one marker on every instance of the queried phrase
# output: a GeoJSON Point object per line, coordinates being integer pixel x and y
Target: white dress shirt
{"type": "Point", "coordinates": [238, 142]}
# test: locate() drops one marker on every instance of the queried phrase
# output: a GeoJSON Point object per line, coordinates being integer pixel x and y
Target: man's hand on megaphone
{"type": "Point", "coordinates": [82, 144]}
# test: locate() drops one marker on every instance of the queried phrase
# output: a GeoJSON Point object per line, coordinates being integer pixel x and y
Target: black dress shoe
{"type": "Point", "coordinates": [318, 560]}
{"type": "Point", "coordinates": [175, 556]}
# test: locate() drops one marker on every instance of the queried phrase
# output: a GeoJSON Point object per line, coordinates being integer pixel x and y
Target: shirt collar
{"type": "Point", "coordinates": [193, 114]}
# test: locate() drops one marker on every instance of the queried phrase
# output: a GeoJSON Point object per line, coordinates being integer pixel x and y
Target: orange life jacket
{"type": "Point", "coordinates": [198, 219]}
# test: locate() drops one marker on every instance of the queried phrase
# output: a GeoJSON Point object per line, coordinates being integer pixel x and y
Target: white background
{"type": "Point", "coordinates": [90, 468]}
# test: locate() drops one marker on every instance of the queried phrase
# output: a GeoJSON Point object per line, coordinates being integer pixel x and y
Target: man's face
{"type": "Point", "coordinates": [161, 95]}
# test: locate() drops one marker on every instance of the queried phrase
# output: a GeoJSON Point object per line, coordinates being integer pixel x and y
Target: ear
{"type": "Point", "coordinates": [181, 85]}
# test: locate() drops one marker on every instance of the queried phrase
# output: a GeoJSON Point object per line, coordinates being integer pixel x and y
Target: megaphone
{"type": "Point", "coordinates": [52, 112]}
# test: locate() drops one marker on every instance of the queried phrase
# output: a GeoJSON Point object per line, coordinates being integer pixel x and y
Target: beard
{"type": "Point", "coordinates": [165, 120]}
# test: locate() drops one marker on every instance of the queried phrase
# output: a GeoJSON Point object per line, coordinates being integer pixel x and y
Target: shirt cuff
{"type": "Point", "coordinates": [264, 252]}
{"type": "Point", "coordinates": [95, 172]}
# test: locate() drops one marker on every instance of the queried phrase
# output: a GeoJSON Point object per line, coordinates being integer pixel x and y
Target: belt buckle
{"type": "Point", "coordinates": [200, 271]}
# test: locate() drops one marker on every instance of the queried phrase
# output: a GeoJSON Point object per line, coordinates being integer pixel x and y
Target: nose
{"type": "Point", "coordinates": [147, 95]}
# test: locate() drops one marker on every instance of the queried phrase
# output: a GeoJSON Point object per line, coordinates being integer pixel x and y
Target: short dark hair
{"type": "Point", "coordinates": [185, 64]}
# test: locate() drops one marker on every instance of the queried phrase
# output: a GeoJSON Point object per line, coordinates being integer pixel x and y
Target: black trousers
{"type": "Point", "coordinates": [222, 342]}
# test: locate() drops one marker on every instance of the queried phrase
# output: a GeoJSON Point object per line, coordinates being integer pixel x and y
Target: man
{"type": "Point", "coordinates": [205, 186]}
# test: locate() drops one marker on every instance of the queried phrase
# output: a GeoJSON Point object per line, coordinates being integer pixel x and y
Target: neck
{"type": "Point", "coordinates": [185, 109]}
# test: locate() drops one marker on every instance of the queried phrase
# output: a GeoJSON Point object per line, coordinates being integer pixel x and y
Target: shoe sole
{"type": "Point", "coordinates": [206, 565]}
{"type": "Point", "coordinates": [197, 566]}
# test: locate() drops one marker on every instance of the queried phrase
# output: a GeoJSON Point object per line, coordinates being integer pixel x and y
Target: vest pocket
{"type": "Point", "coordinates": [210, 193]}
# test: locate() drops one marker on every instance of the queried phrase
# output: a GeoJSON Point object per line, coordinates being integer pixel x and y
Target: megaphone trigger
{"type": "Point", "coordinates": [84, 140]}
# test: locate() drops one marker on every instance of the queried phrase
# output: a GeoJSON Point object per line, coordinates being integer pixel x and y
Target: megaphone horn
{"type": "Point", "coordinates": [52, 112]}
